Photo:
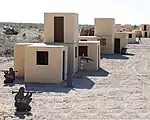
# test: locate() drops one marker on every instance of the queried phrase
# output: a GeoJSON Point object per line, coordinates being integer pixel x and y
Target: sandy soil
{"type": "Point", "coordinates": [119, 91]}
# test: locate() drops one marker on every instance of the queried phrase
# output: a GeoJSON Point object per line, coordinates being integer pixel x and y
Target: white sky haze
{"type": "Point", "coordinates": [124, 11]}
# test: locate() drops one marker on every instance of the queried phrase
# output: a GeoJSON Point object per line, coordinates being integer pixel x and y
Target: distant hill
{"type": "Point", "coordinates": [41, 25]}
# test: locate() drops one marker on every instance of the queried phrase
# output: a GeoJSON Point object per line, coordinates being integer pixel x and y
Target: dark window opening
{"type": "Point", "coordinates": [83, 50]}
{"type": "Point", "coordinates": [102, 41]}
{"type": "Point", "coordinates": [42, 58]}
{"type": "Point", "coordinates": [130, 35]}
{"type": "Point", "coordinates": [144, 27]}
{"type": "Point", "coordinates": [117, 45]}
{"type": "Point", "coordinates": [63, 69]}
{"type": "Point", "coordinates": [83, 40]}
{"type": "Point", "coordinates": [145, 34]}
{"type": "Point", "coordinates": [75, 52]}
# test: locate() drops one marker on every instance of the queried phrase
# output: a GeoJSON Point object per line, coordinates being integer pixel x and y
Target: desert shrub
{"type": "Point", "coordinates": [24, 34]}
{"type": "Point", "coordinates": [40, 30]}
{"type": "Point", "coordinates": [39, 38]}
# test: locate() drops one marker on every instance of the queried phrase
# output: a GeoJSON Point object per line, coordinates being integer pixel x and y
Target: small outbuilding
{"type": "Point", "coordinates": [19, 58]}
{"type": "Point", "coordinates": [105, 29]}
{"type": "Point", "coordinates": [145, 29]}
{"type": "Point", "coordinates": [43, 63]}
{"type": "Point", "coordinates": [120, 41]}
{"type": "Point", "coordinates": [91, 50]}
{"type": "Point", "coordinates": [146, 34]}
{"type": "Point", "coordinates": [131, 37]}
{"type": "Point", "coordinates": [138, 32]}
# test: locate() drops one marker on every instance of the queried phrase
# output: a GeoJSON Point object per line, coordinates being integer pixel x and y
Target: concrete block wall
{"type": "Point", "coordinates": [105, 28]}
{"type": "Point", "coordinates": [117, 27]}
{"type": "Point", "coordinates": [93, 53]}
{"type": "Point", "coordinates": [123, 39]}
{"type": "Point", "coordinates": [70, 35]}
{"type": "Point", "coordinates": [70, 27]}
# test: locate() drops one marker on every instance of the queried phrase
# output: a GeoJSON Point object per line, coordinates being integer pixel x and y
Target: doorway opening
{"type": "Point", "coordinates": [59, 29]}
{"type": "Point", "coordinates": [63, 67]}
{"type": "Point", "coordinates": [117, 45]}
{"type": "Point", "coordinates": [144, 27]}
{"type": "Point", "coordinates": [145, 34]}
{"type": "Point", "coordinates": [98, 56]}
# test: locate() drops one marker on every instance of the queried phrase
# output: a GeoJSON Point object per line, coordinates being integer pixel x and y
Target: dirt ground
{"type": "Point", "coordinates": [118, 91]}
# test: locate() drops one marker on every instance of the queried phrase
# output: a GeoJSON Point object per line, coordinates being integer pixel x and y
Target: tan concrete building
{"type": "Point", "coordinates": [19, 58]}
{"type": "Point", "coordinates": [120, 41]}
{"type": "Point", "coordinates": [41, 63]}
{"type": "Point", "coordinates": [49, 65]}
{"type": "Point", "coordinates": [90, 49]}
{"type": "Point", "coordinates": [125, 27]}
{"type": "Point", "coordinates": [62, 28]}
{"type": "Point", "coordinates": [131, 37]}
{"type": "Point", "coordinates": [117, 27]}
{"type": "Point", "coordinates": [105, 29]}
{"type": "Point", "coordinates": [145, 34]}
{"type": "Point", "coordinates": [128, 27]}
{"type": "Point", "coordinates": [88, 38]}
{"type": "Point", "coordinates": [145, 29]}
{"type": "Point", "coordinates": [50, 61]}
{"type": "Point", "coordinates": [138, 32]}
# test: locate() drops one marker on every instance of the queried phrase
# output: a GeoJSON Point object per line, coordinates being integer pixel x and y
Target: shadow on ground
{"type": "Point", "coordinates": [116, 56]}
{"type": "Point", "coordinates": [18, 80]}
{"type": "Point", "coordinates": [22, 115]}
{"type": "Point", "coordinates": [134, 43]}
{"type": "Point", "coordinates": [97, 73]}
{"type": "Point", "coordinates": [9, 85]}
{"type": "Point", "coordinates": [43, 87]}
{"type": "Point", "coordinates": [130, 54]}
{"type": "Point", "coordinates": [82, 83]}
{"type": "Point", "coordinates": [78, 83]}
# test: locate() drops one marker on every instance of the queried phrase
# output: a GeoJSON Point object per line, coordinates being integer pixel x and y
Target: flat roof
{"type": "Point", "coordinates": [23, 43]}
{"type": "Point", "coordinates": [89, 42]}
{"type": "Point", "coordinates": [106, 18]}
{"type": "Point", "coordinates": [60, 13]}
{"type": "Point", "coordinates": [118, 24]}
{"type": "Point", "coordinates": [145, 24]}
{"type": "Point", "coordinates": [44, 45]}
{"type": "Point", "coordinates": [130, 32]}
{"type": "Point", "coordinates": [58, 44]}
{"type": "Point", "coordinates": [124, 32]}
{"type": "Point", "coordinates": [120, 32]}
{"type": "Point", "coordinates": [88, 37]}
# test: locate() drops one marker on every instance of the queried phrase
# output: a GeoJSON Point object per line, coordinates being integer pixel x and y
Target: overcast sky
{"type": "Point", "coordinates": [124, 11]}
